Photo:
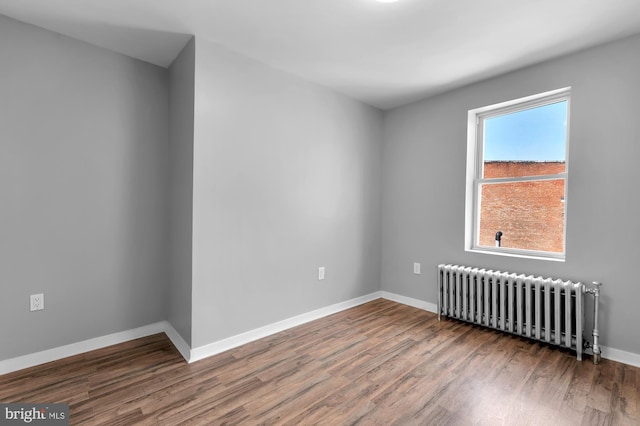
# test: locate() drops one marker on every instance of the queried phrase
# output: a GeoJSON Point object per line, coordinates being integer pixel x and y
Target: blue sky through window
{"type": "Point", "coordinates": [535, 134]}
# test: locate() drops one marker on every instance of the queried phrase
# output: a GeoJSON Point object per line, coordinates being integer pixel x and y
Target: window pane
{"type": "Point", "coordinates": [529, 214]}
{"type": "Point", "coordinates": [514, 143]}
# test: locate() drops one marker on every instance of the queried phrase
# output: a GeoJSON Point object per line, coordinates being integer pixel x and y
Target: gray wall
{"type": "Point", "coordinates": [181, 90]}
{"type": "Point", "coordinates": [287, 178]}
{"type": "Point", "coordinates": [83, 167]}
{"type": "Point", "coordinates": [424, 183]}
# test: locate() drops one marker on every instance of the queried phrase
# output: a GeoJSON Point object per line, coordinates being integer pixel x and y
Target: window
{"type": "Point", "coordinates": [517, 177]}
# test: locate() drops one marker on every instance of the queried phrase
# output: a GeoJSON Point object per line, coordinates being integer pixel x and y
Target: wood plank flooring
{"type": "Point", "coordinates": [381, 363]}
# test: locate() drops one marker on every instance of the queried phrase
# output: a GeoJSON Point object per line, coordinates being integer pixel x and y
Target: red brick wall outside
{"type": "Point", "coordinates": [532, 217]}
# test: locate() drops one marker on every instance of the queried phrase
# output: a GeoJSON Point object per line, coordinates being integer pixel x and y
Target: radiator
{"type": "Point", "coordinates": [544, 309]}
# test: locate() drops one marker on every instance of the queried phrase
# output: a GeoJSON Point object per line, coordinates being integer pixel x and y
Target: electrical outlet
{"type": "Point", "coordinates": [36, 302]}
{"type": "Point", "coordinates": [321, 273]}
{"type": "Point", "coordinates": [416, 268]}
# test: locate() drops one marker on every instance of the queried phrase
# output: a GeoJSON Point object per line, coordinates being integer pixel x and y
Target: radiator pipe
{"type": "Point", "coordinates": [596, 333]}
{"type": "Point", "coordinates": [498, 238]}
{"type": "Point", "coordinates": [597, 354]}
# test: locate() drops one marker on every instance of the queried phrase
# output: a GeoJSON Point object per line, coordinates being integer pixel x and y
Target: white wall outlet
{"type": "Point", "coordinates": [321, 273]}
{"type": "Point", "coordinates": [36, 302]}
{"type": "Point", "coordinates": [416, 268]}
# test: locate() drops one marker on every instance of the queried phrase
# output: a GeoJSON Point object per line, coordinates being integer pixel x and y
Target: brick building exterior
{"type": "Point", "coordinates": [533, 218]}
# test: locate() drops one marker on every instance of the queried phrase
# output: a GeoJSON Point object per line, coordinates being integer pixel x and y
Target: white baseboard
{"type": "Point", "coordinates": [30, 360]}
{"type": "Point", "coordinates": [192, 355]}
{"type": "Point", "coordinates": [410, 301]}
{"type": "Point", "coordinates": [180, 344]}
{"type": "Point", "coordinates": [258, 333]}
{"type": "Point", "coordinates": [620, 356]}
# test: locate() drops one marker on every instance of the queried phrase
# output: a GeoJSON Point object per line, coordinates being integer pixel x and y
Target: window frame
{"type": "Point", "coordinates": [475, 166]}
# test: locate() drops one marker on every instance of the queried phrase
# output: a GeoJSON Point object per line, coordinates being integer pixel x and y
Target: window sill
{"type": "Point", "coordinates": [560, 257]}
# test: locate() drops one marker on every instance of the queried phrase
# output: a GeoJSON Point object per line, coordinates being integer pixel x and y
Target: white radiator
{"type": "Point", "coordinates": [545, 309]}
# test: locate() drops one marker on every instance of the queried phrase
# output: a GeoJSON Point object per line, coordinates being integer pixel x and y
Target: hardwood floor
{"type": "Point", "coordinates": [380, 363]}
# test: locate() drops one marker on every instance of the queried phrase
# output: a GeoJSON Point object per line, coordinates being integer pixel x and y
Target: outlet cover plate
{"type": "Point", "coordinates": [36, 302]}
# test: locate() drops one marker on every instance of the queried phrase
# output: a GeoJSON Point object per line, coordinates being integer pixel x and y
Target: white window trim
{"type": "Point", "coordinates": [474, 168]}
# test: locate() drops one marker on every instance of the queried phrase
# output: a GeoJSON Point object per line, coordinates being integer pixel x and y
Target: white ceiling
{"type": "Point", "coordinates": [384, 54]}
